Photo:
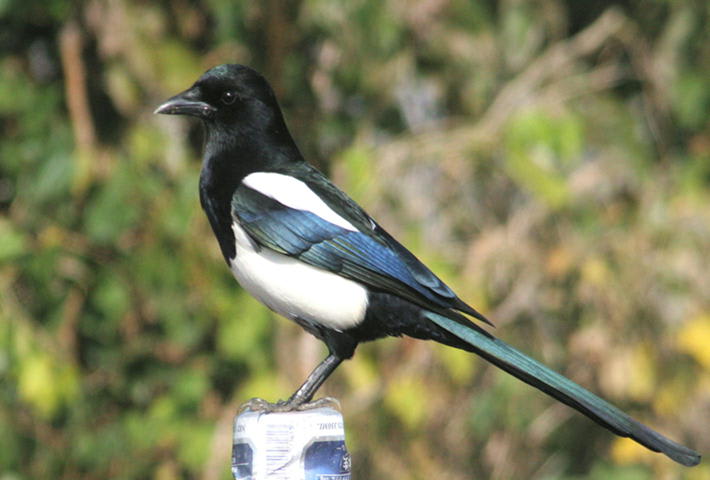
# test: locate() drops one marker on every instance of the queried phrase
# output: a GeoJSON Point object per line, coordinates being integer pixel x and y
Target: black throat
{"type": "Point", "coordinates": [233, 151]}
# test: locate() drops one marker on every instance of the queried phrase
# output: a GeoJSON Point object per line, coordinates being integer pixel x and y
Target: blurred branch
{"type": "Point", "coordinates": [555, 63]}
{"type": "Point", "coordinates": [221, 442]}
{"type": "Point", "coordinates": [67, 333]}
{"type": "Point", "coordinates": [70, 46]}
{"type": "Point", "coordinates": [655, 63]}
{"type": "Point", "coordinates": [278, 36]}
{"type": "Point", "coordinates": [601, 78]}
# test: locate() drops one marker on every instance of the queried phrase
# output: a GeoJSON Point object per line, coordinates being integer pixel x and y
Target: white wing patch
{"type": "Point", "coordinates": [295, 194]}
{"type": "Point", "coordinates": [295, 289]}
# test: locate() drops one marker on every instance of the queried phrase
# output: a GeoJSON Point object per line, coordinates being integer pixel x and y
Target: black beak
{"type": "Point", "coordinates": [187, 103]}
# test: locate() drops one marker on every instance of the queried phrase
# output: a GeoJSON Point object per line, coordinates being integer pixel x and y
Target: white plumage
{"type": "Point", "coordinates": [288, 286]}
{"type": "Point", "coordinates": [295, 194]}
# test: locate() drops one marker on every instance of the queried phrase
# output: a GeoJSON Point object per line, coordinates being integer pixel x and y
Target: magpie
{"type": "Point", "coordinates": [308, 252]}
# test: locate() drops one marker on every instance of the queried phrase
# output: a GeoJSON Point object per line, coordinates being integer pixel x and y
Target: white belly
{"type": "Point", "coordinates": [297, 290]}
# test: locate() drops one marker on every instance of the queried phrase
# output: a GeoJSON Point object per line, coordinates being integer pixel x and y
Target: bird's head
{"type": "Point", "coordinates": [226, 95]}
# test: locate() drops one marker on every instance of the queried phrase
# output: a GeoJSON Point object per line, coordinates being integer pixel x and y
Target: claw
{"type": "Point", "coordinates": [290, 405]}
{"type": "Point", "coordinates": [259, 405]}
{"type": "Point", "coordinates": [325, 402]}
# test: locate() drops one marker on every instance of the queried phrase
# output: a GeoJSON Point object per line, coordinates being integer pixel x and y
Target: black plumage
{"type": "Point", "coordinates": [250, 160]}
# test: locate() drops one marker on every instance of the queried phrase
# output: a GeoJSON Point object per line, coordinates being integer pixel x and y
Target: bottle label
{"type": "Point", "coordinates": [327, 460]}
{"type": "Point", "coordinates": [302, 445]}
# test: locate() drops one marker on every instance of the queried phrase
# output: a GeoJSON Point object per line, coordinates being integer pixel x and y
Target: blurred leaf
{"type": "Point", "coordinates": [671, 399]}
{"type": "Point", "coordinates": [54, 178]}
{"type": "Point", "coordinates": [699, 472]}
{"type": "Point", "coordinates": [692, 93]}
{"type": "Point", "coordinates": [12, 242]}
{"type": "Point", "coordinates": [146, 144]}
{"type": "Point", "coordinates": [195, 442]}
{"type": "Point", "coordinates": [114, 209]}
{"type": "Point", "coordinates": [595, 272]}
{"type": "Point", "coordinates": [604, 471]}
{"type": "Point", "coordinates": [642, 386]}
{"type": "Point", "coordinates": [45, 384]}
{"type": "Point", "coordinates": [406, 399]}
{"type": "Point", "coordinates": [261, 383]}
{"type": "Point", "coordinates": [356, 163]}
{"type": "Point", "coordinates": [176, 65]}
{"type": "Point", "coordinates": [460, 365]}
{"type": "Point", "coordinates": [694, 339]}
{"type": "Point", "coordinates": [363, 373]}
{"type": "Point", "coordinates": [123, 90]}
{"type": "Point", "coordinates": [541, 151]}
{"type": "Point", "coordinates": [112, 297]}
{"type": "Point", "coordinates": [626, 452]}
{"type": "Point", "coordinates": [241, 334]}
{"type": "Point", "coordinates": [191, 386]}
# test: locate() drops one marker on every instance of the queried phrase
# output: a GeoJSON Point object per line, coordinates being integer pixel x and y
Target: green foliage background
{"type": "Point", "coordinates": [550, 159]}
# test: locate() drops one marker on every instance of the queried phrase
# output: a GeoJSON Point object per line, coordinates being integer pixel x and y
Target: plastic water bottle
{"type": "Point", "coordinates": [298, 445]}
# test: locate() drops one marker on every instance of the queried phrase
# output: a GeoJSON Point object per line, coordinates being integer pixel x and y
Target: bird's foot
{"type": "Point", "coordinates": [290, 405]}
{"type": "Point", "coordinates": [325, 402]}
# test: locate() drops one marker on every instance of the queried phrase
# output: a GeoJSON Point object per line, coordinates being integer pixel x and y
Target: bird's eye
{"type": "Point", "coordinates": [228, 97]}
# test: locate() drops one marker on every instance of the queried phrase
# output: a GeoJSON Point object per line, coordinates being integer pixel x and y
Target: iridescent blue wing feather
{"type": "Point", "coordinates": [371, 257]}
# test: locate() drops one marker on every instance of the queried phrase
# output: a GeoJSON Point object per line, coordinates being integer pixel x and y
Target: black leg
{"type": "Point", "coordinates": [301, 398]}
{"type": "Point", "coordinates": [319, 374]}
